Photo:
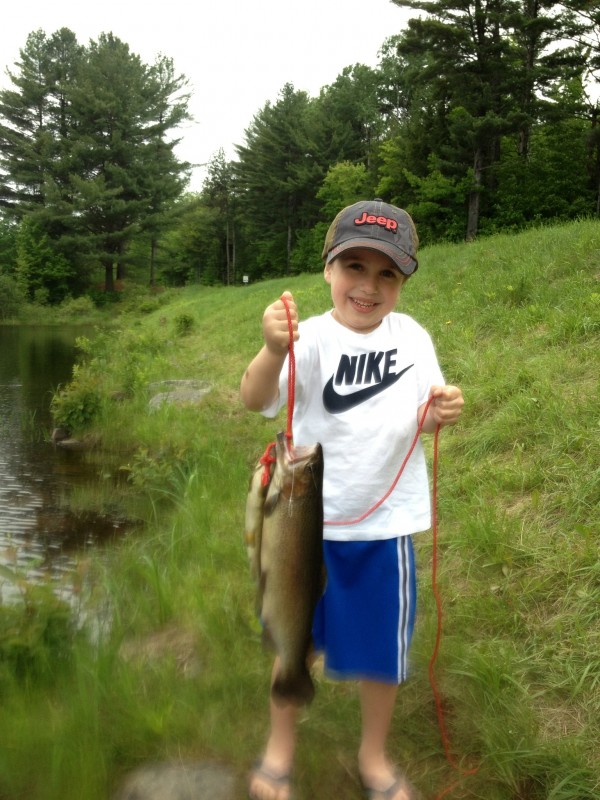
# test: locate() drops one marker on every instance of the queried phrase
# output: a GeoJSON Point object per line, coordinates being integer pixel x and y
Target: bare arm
{"type": "Point", "coordinates": [260, 383]}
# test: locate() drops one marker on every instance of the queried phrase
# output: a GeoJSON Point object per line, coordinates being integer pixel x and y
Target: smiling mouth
{"type": "Point", "coordinates": [362, 304]}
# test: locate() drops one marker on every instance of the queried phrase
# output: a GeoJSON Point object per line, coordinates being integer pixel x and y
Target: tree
{"type": "Point", "coordinates": [278, 177]}
{"type": "Point", "coordinates": [488, 65]}
{"type": "Point", "coordinates": [346, 121]}
{"type": "Point", "coordinates": [219, 192]}
{"type": "Point", "coordinates": [41, 272]}
{"type": "Point", "coordinates": [344, 184]}
{"type": "Point", "coordinates": [36, 121]}
{"type": "Point", "coordinates": [86, 148]}
{"type": "Point", "coordinates": [163, 177]}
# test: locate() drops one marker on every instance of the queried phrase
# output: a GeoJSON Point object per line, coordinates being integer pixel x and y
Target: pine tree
{"type": "Point", "coordinates": [86, 148]}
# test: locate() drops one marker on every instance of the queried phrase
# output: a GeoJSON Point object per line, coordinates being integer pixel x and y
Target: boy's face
{"type": "Point", "coordinates": [364, 288]}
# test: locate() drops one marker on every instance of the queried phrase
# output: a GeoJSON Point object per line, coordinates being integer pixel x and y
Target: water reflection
{"type": "Point", "coordinates": [39, 533]}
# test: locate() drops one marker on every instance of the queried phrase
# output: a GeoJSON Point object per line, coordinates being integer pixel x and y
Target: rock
{"type": "Point", "coordinates": [118, 396]}
{"type": "Point", "coordinates": [180, 645]}
{"type": "Point", "coordinates": [71, 444]}
{"type": "Point", "coordinates": [59, 435]}
{"type": "Point", "coordinates": [178, 781]}
{"type": "Point", "coordinates": [179, 393]}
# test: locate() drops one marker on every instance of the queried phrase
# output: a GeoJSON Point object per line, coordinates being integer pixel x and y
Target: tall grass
{"type": "Point", "coordinates": [516, 321]}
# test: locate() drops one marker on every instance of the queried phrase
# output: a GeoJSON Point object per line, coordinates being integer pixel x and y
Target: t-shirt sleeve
{"type": "Point", "coordinates": [430, 373]}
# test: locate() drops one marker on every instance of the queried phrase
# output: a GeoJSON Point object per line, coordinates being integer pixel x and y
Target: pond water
{"type": "Point", "coordinates": [41, 537]}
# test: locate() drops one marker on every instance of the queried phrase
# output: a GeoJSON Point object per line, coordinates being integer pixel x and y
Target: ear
{"type": "Point", "coordinates": [327, 273]}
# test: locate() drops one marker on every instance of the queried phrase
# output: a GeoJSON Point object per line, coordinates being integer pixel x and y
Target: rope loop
{"type": "Point", "coordinates": [267, 460]}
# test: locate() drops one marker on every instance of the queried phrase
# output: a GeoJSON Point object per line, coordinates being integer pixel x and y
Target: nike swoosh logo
{"type": "Point", "coordinates": [338, 403]}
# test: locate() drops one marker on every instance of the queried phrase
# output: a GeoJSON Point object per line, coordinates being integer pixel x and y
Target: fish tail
{"type": "Point", "coordinates": [293, 688]}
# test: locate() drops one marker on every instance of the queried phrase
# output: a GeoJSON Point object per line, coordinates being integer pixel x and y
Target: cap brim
{"type": "Point", "coordinates": [403, 261]}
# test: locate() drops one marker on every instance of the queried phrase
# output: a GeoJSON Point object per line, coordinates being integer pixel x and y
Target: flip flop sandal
{"type": "Point", "coordinates": [276, 782]}
{"type": "Point", "coordinates": [387, 794]}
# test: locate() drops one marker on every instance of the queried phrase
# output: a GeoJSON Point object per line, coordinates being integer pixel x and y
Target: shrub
{"type": "Point", "coordinates": [77, 307]}
{"type": "Point", "coordinates": [184, 324]}
{"type": "Point", "coordinates": [76, 406]}
{"type": "Point", "coordinates": [36, 638]}
{"type": "Point", "coordinates": [11, 297]}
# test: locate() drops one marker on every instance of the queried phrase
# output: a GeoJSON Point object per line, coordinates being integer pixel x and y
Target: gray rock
{"type": "Point", "coordinates": [180, 645]}
{"type": "Point", "coordinates": [178, 393]}
{"type": "Point", "coordinates": [177, 781]}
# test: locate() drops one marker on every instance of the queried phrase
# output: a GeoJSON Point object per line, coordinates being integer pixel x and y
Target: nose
{"type": "Point", "coordinates": [369, 284]}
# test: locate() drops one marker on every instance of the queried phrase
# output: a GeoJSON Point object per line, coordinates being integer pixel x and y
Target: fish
{"type": "Point", "coordinates": [284, 537]}
{"type": "Point", "coordinates": [255, 501]}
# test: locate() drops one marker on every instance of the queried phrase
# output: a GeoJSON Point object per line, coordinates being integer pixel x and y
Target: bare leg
{"type": "Point", "coordinates": [278, 756]}
{"type": "Point", "coordinates": [377, 702]}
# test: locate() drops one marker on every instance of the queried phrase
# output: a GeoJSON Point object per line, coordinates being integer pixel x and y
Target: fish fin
{"type": "Point", "coordinates": [260, 591]}
{"type": "Point", "coordinates": [271, 500]}
{"type": "Point", "coordinates": [267, 639]}
{"type": "Point", "coordinates": [296, 689]}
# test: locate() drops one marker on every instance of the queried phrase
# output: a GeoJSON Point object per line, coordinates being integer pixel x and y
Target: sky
{"type": "Point", "coordinates": [236, 54]}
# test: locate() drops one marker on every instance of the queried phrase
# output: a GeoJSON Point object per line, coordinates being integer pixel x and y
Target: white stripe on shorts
{"type": "Point", "coordinates": [404, 601]}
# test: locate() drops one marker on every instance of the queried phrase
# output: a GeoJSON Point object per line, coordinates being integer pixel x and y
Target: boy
{"type": "Point", "coordinates": [364, 374]}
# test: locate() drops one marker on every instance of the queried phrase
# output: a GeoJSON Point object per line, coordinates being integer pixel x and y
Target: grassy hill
{"type": "Point", "coordinates": [516, 322]}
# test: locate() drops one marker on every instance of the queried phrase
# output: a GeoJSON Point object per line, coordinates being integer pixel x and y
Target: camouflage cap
{"type": "Point", "coordinates": [377, 226]}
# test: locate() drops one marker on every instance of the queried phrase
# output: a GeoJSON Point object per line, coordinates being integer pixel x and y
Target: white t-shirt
{"type": "Point", "coordinates": [358, 394]}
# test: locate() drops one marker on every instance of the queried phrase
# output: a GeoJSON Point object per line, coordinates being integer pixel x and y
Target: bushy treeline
{"type": "Point", "coordinates": [479, 117]}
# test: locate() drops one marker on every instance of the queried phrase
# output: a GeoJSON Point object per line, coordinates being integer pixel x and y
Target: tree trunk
{"type": "Point", "coordinates": [474, 197]}
{"type": "Point", "coordinates": [121, 263]}
{"type": "Point", "coordinates": [289, 248]}
{"type": "Point", "coordinates": [109, 283]}
{"type": "Point", "coordinates": [233, 251]}
{"type": "Point", "coordinates": [227, 256]}
{"type": "Point", "coordinates": [152, 261]}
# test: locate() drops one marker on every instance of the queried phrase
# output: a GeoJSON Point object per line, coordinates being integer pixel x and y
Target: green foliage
{"type": "Point", "coordinates": [88, 157]}
{"type": "Point", "coordinates": [184, 323]}
{"type": "Point", "coordinates": [439, 205]}
{"type": "Point", "coordinates": [76, 406]}
{"type": "Point", "coordinates": [43, 272]}
{"type": "Point", "coordinates": [344, 184]}
{"type": "Point", "coordinates": [277, 165]}
{"type": "Point", "coordinates": [515, 323]}
{"type": "Point", "coordinates": [475, 124]}
{"type": "Point", "coordinates": [553, 183]}
{"type": "Point", "coordinates": [36, 638]}
{"type": "Point", "coordinates": [77, 307]}
{"type": "Point", "coordinates": [11, 297]}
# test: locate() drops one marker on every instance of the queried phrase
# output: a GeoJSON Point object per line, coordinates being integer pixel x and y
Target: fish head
{"type": "Point", "coordinates": [300, 467]}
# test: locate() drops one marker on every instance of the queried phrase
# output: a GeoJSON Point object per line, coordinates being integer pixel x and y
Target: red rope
{"type": "Point", "coordinates": [268, 459]}
{"type": "Point", "coordinates": [374, 507]}
{"type": "Point", "coordinates": [291, 371]}
{"type": "Point", "coordinates": [438, 636]}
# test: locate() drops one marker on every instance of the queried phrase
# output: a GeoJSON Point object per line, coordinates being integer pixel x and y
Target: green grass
{"type": "Point", "coordinates": [516, 322]}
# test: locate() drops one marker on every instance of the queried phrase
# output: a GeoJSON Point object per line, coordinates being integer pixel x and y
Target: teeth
{"type": "Point", "coordinates": [363, 305]}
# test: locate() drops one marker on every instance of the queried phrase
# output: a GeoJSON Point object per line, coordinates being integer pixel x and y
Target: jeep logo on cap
{"type": "Point", "coordinates": [388, 223]}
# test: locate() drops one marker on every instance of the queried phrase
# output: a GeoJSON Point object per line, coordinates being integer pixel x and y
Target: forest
{"type": "Point", "coordinates": [480, 117]}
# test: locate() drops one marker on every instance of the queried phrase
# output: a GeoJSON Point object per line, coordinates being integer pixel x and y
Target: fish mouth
{"type": "Point", "coordinates": [304, 454]}
{"type": "Point", "coordinates": [300, 454]}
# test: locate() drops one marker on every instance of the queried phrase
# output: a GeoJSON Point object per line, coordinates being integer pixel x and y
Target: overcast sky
{"type": "Point", "coordinates": [237, 54]}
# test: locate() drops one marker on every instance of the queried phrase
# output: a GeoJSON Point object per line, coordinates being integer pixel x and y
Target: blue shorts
{"type": "Point", "coordinates": [364, 622]}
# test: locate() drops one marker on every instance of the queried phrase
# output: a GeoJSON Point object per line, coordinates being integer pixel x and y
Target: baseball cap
{"type": "Point", "coordinates": [377, 226]}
